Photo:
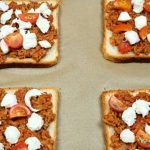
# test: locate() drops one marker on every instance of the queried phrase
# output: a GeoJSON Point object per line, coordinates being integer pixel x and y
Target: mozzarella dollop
{"type": "Point", "coordinates": [44, 10]}
{"type": "Point", "coordinates": [45, 44]}
{"type": "Point", "coordinates": [31, 10]}
{"type": "Point", "coordinates": [141, 107]}
{"type": "Point", "coordinates": [124, 16]}
{"type": "Point", "coordinates": [140, 22]}
{"type": "Point", "coordinates": [129, 116]}
{"type": "Point", "coordinates": [18, 12]}
{"type": "Point", "coordinates": [29, 40]}
{"type": "Point", "coordinates": [22, 24]}
{"type": "Point", "coordinates": [6, 16]}
{"type": "Point", "coordinates": [4, 47]}
{"type": "Point", "coordinates": [147, 128]}
{"type": "Point", "coordinates": [5, 30]}
{"type": "Point", "coordinates": [29, 95]}
{"type": "Point", "coordinates": [148, 37]}
{"type": "Point", "coordinates": [35, 122]}
{"type": "Point", "coordinates": [1, 146]}
{"type": "Point", "coordinates": [12, 134]}
{"type": "Point", "coordinates": [127, 136]}
{"type": "Point", "coordinates": [9, 100]}
{"type": "Point", "coordinates": [132, 37]}
{"type": "Point", "coordinates": [3, 6]}
{"type": "Point", "coordinates": [138, 5]}
{"type": "Point", "coordinates": [33, 143]}
{"type": "Point", "coordinates": [43, 24]}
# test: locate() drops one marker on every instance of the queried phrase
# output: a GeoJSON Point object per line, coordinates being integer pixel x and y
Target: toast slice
{"type": "Point", "coordinates": [111, 52]}
{"type": "Point", "coordinates": [108, 130]}
{"type": "Point", "coordinates": [51, 57]}
{"type": "Point", "coordinates": [52, 129]}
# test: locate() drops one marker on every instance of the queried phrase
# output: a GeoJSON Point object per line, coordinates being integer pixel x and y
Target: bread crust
{"type": "Point", "coordinates": [44, 62]}
{"type": "Point", "coordinates": [55, 97]}
{"type": "Point", "coordinates": [122, 58]}
{"type": "Point", "coordinates": [104, 98]}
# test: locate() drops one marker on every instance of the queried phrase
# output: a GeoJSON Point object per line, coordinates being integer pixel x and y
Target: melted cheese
{"type": "Point", "coordinates": [35, 122]}
{"type": "Point", "coordinates": [129, 116]}
{"type": "Point", "coordinates": [29, 40]}
{"type": "Point", "coordinates": [4, 47]}
{"type": "Point", "coordinates": [33, 143]}
{"type": "Point", "coordinates": [44, 10]}
{"type": "Point", "coordinates": [127, 136]}
{"type": "Point", "coordinates": [3, 6]}
{"type": "Point", "coordinates": [45, 44]}
{"type": "Point", "coordinates": [12, 134]}
{"type": "Point", "coordinates": [6, 16]}
{"type": "Point", "coordinates": [43, 24]}
{"type": "Point", "coordinates": [5, 30]}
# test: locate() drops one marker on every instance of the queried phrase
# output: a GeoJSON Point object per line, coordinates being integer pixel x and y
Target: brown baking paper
{"type": "Point", "coordinates": [81, 74]}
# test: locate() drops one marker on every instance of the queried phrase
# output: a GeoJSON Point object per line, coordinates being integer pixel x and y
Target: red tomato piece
{"type": "Point", "coordinates": [123, 5]}
{"type": "Point", "coordinates": [124, 47]}
{"type": "Point", "coordinates": [122, 28]}
{"type": "Point", "coordinates": [29, 17]}
{"type": "Point", "coordinates": [116, 104]}
{"type": "Point", "coordinates": [18, 111]}
{"type": "Point", "coordinates": [20, 146]}
{"type": "Point", "coordinates": [14, 40]}
{"type": "Point", "coordinates": [143, 139]}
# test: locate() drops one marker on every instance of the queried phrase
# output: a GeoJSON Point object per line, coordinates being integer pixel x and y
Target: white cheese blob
{"type": "Point", "coordinates": [29, 95]}
{"type": "Point", "coordinates": [31, 10]}
{"type": "Point", "coordinates": [9, 100]}
{"type": "Point", "coordinates": [148, 37]}
{"type": "Point", "coordinates": [141, 107]}
{"type": "Point", "coordinates": [127, 136]}
{"type": "Point", "coordinates": [45, 44]}
{"type": "Point", "coordinates": [12, 134]}
{"type": "Point", "coordinates": [29, 40]}
{"type": "Point", "coordinates": [44, 10]}
{"type": "Point", "coordinates": [140, 22]}
{"type": "Point", "coordinates": [22, 24]}
{"type": "Point", "coordinates": [6, 16]}
{"type": "Point", "coordinates": [3, 6]}
{"type": "Point", "coordinates": [147, 128]}
{"type": "Point", "coordinates": [132, 37]}
{"type": "Point", "coordinates": [18, 12]}
{"type": "Point", "coordinates": [129, 116]}
{"type": "Point", "coordinates": [35, 122]}
{"type": "Point", "coordinates": [124, 16]}
{"type": "Point", "coordinates": [1, 146]}
{"type": "Point", "coordinates": [4, 47]}
{"type": "Point", "coordinates": [43, 24]}
{"type": "Point", "coordinates": [33, 143]}
{"type": "Point", "coordinates": [138, 5]}
{"type": "Point", "coordinates": [5, 30]}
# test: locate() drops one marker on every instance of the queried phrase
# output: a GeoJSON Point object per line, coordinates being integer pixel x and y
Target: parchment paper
{"type": "Point", "coordinates": [81, 74]}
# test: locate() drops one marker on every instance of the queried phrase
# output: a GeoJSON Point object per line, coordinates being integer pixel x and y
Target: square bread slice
{"type": "Point", "coordinates": [51, 57]}
{"type": "Point", "coordinates": [111, 52]}
{"type": "Point", "coordinates": [54, 92]}
{"type": "Point", "coordinates": [105, 97]}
